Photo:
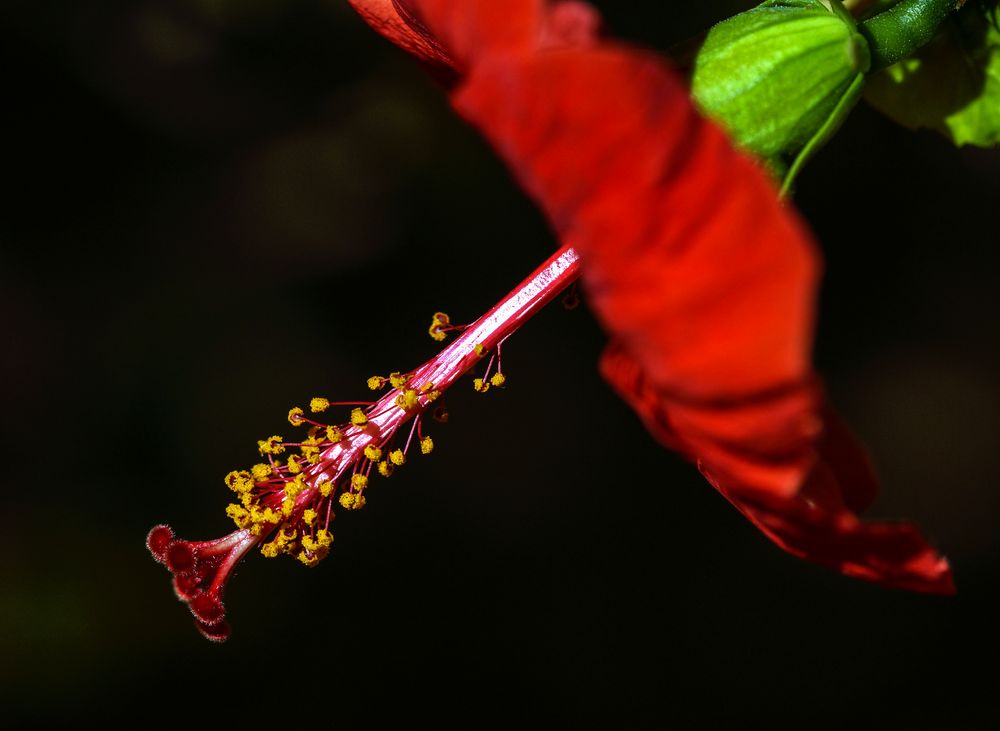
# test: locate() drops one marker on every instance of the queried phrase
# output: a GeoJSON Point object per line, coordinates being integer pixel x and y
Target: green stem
{"type": "Point", "coordinates": [904, 28]}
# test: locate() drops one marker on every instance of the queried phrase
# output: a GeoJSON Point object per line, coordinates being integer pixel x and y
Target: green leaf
{"type": "Point", "coordinates": [952, 85]}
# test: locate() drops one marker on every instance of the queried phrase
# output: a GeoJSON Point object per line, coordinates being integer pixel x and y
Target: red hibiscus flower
{"type": "Point", "coordinates": [704, 280]}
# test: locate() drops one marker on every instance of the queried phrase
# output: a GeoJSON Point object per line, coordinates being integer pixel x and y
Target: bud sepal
{"type": "Point", "coordinates": [781, 78]}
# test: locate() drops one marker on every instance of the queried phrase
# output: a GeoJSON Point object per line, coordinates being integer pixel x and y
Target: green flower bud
{"type": "Point", "coordinates": [782, 77]}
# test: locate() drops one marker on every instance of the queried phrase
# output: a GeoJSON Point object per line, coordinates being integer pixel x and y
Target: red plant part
{"type": "Point", "coordinates": [293, 502]}
{"type": "Point", "coordinates": [703, 278]}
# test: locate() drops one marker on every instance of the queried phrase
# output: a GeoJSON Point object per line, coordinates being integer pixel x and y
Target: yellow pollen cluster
{"type": "Point", "coordinates": [294, 487]}
{"type": "Point", "coordinates": [316, 545]}
{"type": "Point", "coordinates": [310, 449]}
{"type": "Point", "coordinates": [498, 379]}
{"type": "Point", "coordinates": [408, 400]}
{"type": "Point", "coordinates": [239, 515]}
{"type": "Point", "coordinates": [260, 518]}
{"type": "Point", "coordinates": [350, 501]}
{"type": "Point", "coordinates": [480, 385]}
{"type": "Point", "coordinates": [275, 499]}
{"type": "Point", "coordinates": [240, 482]}
{"type": "Point", "coordinates": [282, 543]}
{"type": "Point", "coordinates": [271, 445]}
{"type": "Point", "coordinates": [480, 350]}
{"type": "Point", "coordinates": [438, 323]}
{"type": "Point", "coordinates": [308, 560]}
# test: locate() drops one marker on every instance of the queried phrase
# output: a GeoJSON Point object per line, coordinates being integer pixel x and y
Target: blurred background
{"type": "Point", "coordinates": [216, 209]}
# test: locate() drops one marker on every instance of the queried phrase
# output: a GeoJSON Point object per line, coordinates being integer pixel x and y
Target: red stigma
{"type": "Point", "coordinates": [201, 569]}
{"type": "Point", "coordinates": [157, 541]}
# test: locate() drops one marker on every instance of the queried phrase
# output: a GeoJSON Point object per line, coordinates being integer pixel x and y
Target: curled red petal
{"type": "Point", "coordinates": [703, 278]}
{"type": "Point", "coordinates": [397, 21]}
{"type": "Point", "coordinates": [817, 519]}
{"type": "Point", "coordinates": [473, 29]}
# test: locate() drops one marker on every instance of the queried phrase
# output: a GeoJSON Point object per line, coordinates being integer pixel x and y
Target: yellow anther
{"type": "Point", "coordinates": [359, 502]}
{"type": "Point", "coordinates": [373, 453]}
{"type": "Point", "coordinates": [261, 472]}
{"type": "Point", "coordinates": [309, 544]}
{"type": "Point", "coordinates": [498, 379]}
{"type": "Point", "coordinates": [294, 487]}
{"type": "Point", "coordinates": [397, 380]}
{"type": "Point", "coordinates": [240, 482]}
{"type": "Point", "coordinates": [287, 505]}
{"type": "Point", "coordinates": [308, 560]}
{"type": "Point", "coordinates": [248, 499]}
{"type": "Point", "coordinates": [480, 385]}
{"type": "Point", "coordinates": [313, 430]}
{"type": "Point", "coordinates": [295, 416]}
{"type": "Point", "coordinates": [347, 500]}
{"type": "Point", "coordinates": [270, 550]}
{"type": "Point", "coordinates": [480, 350]}
{"type": "Point", "coordinates": [269, 516]}
{"type": "Point", "coordinates": [333, 434]}
{"type": "Point", "coordinates": [324, 538]}
{"type": "Point", "coordinates": [238, 514]}
{"type": "Point", "coordinates": [325, 488]}
{"type": "Point", "coordinates": [283, 539]}
{"type": "Point", "coordinates": [427, 387]}
{"type": "Point", "coordinates": [310, 449]}
{"type": "Point", "coordinates": [397, 457]}
{"type": "Point", "coordinates": [426, 445]}
{"type": "Point", "coordinates": [384, 468]}
{"type": "Point", "coordinates": [407, 400]}
{"type": "Point", "coordinates": [358, 417]}
{"type": "Point", "coordinates": [308, 516]}
{"type": "Point", "coordinates": [271, 445]}
{"type": "Point", "coordinates": [359, 482]}
{"type": "Point", "coordinates": [319, 404]}
{"type": "Point", "coordinates": [376, 382]}
{"type": "Point", "coordinates": [293, 466]}
{"type": "Point", "coordinates": [432, 396]}
{"type": "Point", "coordinates": [438, 323]}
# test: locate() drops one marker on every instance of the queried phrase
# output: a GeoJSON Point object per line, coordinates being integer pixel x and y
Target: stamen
{"type": "Point", "coordinates": [280, 502]}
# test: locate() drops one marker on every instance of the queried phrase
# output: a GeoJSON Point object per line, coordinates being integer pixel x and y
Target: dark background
{"type": "Point", "coordinates": [216, 209]}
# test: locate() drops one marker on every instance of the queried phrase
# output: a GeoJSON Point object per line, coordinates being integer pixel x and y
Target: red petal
{"type": "Point", "coordinates": [396, 21]}
{"type": "Point", "coordinates": [815, 521]}
{"type": "Point", "coordinates": [705, 280]}
{"type": "Point", "coordinates": [472, 29]}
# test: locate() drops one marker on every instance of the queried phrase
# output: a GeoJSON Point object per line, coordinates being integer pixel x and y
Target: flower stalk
{"type": "Point", "coordinates": [292, 502]}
